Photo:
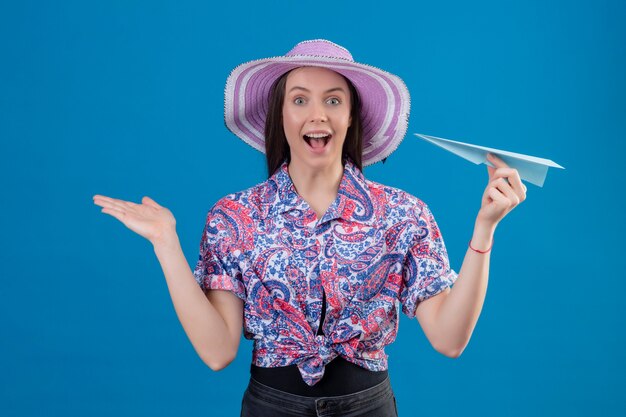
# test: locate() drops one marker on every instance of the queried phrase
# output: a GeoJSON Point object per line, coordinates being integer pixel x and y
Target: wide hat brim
{"type": "Point", "coordinates": [385, 100]}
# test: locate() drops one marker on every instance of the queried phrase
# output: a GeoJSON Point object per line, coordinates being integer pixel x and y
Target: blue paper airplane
{"type": "Point", "coordinates": [530, 168]}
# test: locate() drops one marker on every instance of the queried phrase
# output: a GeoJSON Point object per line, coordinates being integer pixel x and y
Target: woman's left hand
{"type": "Point", "coordinates": [500, 196]}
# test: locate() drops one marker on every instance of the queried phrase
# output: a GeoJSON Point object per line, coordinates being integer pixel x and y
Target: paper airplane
{"type": "Point", "coordinates": [530, 168]}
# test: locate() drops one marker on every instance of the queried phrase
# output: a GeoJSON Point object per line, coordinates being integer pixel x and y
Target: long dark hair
{"type": "Point", "coordinates": [276, 146]}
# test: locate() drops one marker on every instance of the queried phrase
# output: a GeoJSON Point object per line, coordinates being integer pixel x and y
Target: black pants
{"type": "Point", "coordinates": [262, 401]}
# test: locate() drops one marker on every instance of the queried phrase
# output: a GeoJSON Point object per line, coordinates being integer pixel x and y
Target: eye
{"type": "Point", "coordinates": [298, 100]}
{"type": "Point", "coordinates": [334, 101]}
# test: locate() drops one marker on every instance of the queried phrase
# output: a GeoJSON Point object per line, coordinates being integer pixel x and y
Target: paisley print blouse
{"type": "Point", "coordinates": [375, 248]}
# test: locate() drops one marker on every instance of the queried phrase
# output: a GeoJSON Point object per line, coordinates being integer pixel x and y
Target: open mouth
{"type": "Point", "coordinates": [317, 140]}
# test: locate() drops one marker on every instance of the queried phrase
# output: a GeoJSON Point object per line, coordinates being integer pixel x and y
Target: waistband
{"type": "Point", "coordinates": [329, 405]}
{"type": "Point", "coordinates": [341, 377]}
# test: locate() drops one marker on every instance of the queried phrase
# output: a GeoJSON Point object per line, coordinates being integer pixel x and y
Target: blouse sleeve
{"type": "Point", "coordinates": [426, 270]}
{"type": "Point", "coordinates": [217, 267]}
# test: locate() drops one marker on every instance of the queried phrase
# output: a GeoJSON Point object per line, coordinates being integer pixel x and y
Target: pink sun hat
{"type": "Point", "coordinates": [385, 100]}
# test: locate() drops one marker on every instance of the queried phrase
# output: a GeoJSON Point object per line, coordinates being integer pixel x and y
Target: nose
{"type": "Point", "coordinates": [318, 113]}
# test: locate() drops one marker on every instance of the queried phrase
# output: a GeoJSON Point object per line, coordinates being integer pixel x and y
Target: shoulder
{"type": "Point", "coordinates": [233, 219]}
{"type": "Point", "coordinates": [403, 209]}
{"type": "Point", "coordinates": [248, 203]}
{"type": "Point", "coordinates": [396, 201]}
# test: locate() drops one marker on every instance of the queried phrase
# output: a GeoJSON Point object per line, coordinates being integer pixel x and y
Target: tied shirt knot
{"type": "Point", "coordinates": [320, 351]}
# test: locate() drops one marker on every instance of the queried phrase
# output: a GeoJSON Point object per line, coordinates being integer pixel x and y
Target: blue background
{"type": "Point", "coordinates": [125, 99]}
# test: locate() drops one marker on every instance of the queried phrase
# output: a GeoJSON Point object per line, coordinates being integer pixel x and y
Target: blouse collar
{"type": "Point", "coordinates": [353, 202]}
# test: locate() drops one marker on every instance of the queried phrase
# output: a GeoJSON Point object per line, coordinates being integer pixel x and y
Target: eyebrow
{"type": "Point", "coordinates": [325, 92]}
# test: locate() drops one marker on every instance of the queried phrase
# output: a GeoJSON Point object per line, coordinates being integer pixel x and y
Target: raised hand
{"type": "Point", "coordinates": [503, 193]}
{"type": "Point", "coordinates": [149, 219]}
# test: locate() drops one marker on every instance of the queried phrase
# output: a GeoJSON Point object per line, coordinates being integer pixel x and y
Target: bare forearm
{"type": "Point", "coordinates": [204, 326]}
{"type": "Point", "coordinates": [459, 312]}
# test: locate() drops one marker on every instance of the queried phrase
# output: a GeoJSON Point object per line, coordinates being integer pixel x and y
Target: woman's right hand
{"type": "Point", "coordinates": [150, 220]}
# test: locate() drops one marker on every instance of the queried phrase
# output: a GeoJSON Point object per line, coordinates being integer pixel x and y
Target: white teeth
{"type": "Point", "coordinates": [317, 135]}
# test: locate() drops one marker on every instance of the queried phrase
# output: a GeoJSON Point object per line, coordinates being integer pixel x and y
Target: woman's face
{"type": "Point", "coordinates": [316, 116]}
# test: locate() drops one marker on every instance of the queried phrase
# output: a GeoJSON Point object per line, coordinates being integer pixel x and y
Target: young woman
{"type": "Point", "coordinates": [315, 261]}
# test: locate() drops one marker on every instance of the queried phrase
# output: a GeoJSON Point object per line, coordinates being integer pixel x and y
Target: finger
{"type": "Point", "coordinates": [496, 161]}
{"type": "Point", "coordinates": [150, 202]}
{"type": "Point", "coordinates": [498, 185]}
{"type": "Point", "coordinates": [114, 212]}
{"type": "Point", "coordinates": [522, 194]}
{"type": "Point", "coordinates": [490, 171]}
{"type": "Point", "coordinates": [487, 194]}
{"type": "Point", "coordinates": [105, 199]}
{"type": "Point", "coordinates": [500, 173]}
{"type": "Point", "coordinates": [513, 178]}
{"type": "Point", "coordinates": [498, 197]}
{"type": "Point", "coordinates": [111, 203]}
{"type": "Point", "coordinates": [505, 188]}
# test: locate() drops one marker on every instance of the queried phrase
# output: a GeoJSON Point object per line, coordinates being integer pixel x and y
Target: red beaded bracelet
{"type": "Point", "coordinates": [480, 251]}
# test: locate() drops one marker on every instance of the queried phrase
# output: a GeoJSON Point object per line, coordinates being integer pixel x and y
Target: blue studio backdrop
{"type": "Point", "coordinates": [125, 99]}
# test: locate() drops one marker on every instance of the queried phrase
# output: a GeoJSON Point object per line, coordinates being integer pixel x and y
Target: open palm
{"type": "Point", "coordinates": [149, 219]}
